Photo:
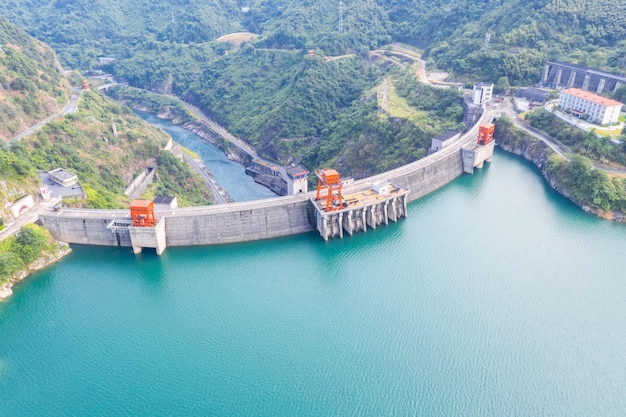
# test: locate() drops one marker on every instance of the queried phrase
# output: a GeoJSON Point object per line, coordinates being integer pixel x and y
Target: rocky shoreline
{"type": "Point", "coordinates": [539, 153]}
{"type": "Point", "coordinates": [44, 260]}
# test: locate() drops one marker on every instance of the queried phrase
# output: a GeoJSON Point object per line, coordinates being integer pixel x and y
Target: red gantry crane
{"type": "Point", "coordinates": [142, 213]}
{"type": "Point", "coordinates": [329, 188]}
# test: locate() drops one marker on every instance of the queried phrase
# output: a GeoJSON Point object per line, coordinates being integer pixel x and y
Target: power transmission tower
{"type": "Point", "coordinates": [487, 38]}
{"type": "Point", "coordinates": [340, 17]}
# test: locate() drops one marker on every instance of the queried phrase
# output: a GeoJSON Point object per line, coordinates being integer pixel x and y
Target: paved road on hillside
{"type": "Point", "coordinates": [217, 194]}
{"type": "Point", "coordinates": [557, 146]}
{"type": "Point", "coordinates": [69, 108]}
{"type": "Point", "coordinates": [29, 216]}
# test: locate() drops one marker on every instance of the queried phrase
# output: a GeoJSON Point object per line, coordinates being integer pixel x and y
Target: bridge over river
{"type": "Point", "coordinates": [262, 219]}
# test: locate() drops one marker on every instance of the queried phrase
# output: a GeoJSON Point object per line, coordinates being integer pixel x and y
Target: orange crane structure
{"type": "Point", "coordinates": [142, 213]}
{"type": "Point", "coordinates": [485, 133]}
{"type": "Point", "coordinates": [329, 188]}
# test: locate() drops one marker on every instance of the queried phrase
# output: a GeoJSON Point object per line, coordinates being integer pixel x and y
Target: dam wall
{"type": "Point", "coordinates": [241, 222]}
{"type": "Point", "coordinates": [253, 220]}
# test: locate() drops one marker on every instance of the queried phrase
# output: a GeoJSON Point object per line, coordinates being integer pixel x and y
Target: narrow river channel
{"type": "Point", "coordinates": [228, 174]}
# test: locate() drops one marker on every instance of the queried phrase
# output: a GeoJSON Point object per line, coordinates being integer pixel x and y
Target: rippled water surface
{"type": "Point", "coordinates": [496, 297]}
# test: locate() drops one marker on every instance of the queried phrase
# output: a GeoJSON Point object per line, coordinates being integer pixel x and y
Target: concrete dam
{"type": "Point", "coordinates": [274, 217]}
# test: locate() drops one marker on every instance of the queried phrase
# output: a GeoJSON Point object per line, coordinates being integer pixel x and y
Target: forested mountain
{"type": "Point", "coordinates": [104, 143]}
{"type": "Point", "coordinates": [82, 30]}
{"type": "Point", "coordinates": [32, 85]}
{"type": "Point", "coordinates": [521, 34]}
{"type": "Point", "coordinates": [290, 104]}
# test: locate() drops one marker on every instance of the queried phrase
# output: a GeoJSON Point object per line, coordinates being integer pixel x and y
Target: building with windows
{"type": "Point", "coordinates": [297, 180]}
{"type": "Point", "coordinates": [595, 108]}
{"type": "Point", "coordinates": [481, 94]}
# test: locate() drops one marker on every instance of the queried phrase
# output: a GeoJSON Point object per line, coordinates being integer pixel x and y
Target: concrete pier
{"type": "Point", "coordinates": [559, 73]}
{"type": "Point", "coordinates": [586, 82]}
{"type": "Point", "coordinates": [601, 84]}
{"type": "Point", "coordinates": [474, 155]}
{"type": "Point", "coordinates": [148, 237]}
{"type": "Point", "coordinates": [362, 210]}
{"type": "Point", "coordinates": [572, 78]}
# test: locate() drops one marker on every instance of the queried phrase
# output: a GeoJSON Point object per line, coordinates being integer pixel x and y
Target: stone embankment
{"type": "Point", "coordinates": [201, 130]}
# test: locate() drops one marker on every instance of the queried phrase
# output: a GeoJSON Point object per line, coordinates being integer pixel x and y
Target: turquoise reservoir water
{"type": "Point", "coordinates": [228, 174]}
{"type": "Point", "coordinates": [496, 297]}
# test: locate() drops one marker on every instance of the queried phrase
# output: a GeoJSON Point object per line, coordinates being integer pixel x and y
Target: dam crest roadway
{"type": "Point", "coordinates": [275, 217]}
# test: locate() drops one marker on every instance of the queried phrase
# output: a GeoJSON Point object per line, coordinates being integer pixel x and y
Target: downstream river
{"type": "Point", "coordinates": [495, 297]}
{"type": "Point", "coordinates": [228, 174]}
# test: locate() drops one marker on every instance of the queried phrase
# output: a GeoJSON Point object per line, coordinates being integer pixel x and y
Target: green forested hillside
{"type": "Point", "coordinates": [82, 30]}
{"type": "Point", "coordinates": [293, 106]}
{"type": "Point", "coordinates": [104, 157]}
{"type": "Point", "coordinates": [32, 85]}
{"type": "Point", "coordinates": [105, 162]}
{"type": "Point", "coordinates": [522, 34]}
{"type": "Point", "coordinates": [266, 95]}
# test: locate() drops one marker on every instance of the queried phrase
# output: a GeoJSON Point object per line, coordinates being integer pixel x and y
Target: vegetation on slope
{"type": "Point", "coordinates": [105, 162]}
{"type": "Point", "coordinates": [16, 252]}
{"type": "Point", "coordinates": [522, 34]}
{"type": "Point", "coordinates": [83, 30]}
{"type": "Point", "coordinates": [32, 85]}
{"type": "Point", "coordinates": [577, 178]}
{"type": "Point", "coordinates": [587, 144]}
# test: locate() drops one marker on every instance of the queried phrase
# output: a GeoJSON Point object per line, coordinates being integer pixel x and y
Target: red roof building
{"type": "Point", "coordinates": [597, 109]}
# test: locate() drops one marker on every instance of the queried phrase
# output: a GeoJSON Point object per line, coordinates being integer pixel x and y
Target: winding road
{"type": "Point", "coordinates": [69, 108]}
{"type": "Point", "coordinates": [555, 145]}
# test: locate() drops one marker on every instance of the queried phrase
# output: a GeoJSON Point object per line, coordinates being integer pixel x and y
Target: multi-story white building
{"type": "Point", "coordinates": [481, 94]}
{"type": "Point", "coordinates": [595, 108]}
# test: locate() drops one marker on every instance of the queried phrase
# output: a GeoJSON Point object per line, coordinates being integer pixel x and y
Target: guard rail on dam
{"type": "Point", "coordinates": [254, 220]}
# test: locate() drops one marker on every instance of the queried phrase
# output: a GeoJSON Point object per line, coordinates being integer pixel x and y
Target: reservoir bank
{"type": "Point", "coordinates": [496, 296]}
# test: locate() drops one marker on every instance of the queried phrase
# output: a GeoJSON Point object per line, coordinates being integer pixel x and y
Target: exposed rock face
{"type": "Point", "coordinates": [5, 291]}
{"type": "Point", "coordinates": [539, 153]}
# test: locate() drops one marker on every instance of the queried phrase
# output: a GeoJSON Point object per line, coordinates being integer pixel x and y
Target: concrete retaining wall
{"type": "Point", "coordinates": [240, 222]}
{"type": "Point", "coordinates": [140, 184]}
{"type": "Point", "coordinates": [88, 230]}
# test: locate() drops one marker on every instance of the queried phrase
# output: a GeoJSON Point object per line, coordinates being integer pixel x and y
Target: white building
{"type": "Point", "coordinates": [63, 177]}
{"type": "Point", "coordinates": [482, 93]}
{"type": "Point", "coordinates": [297, 182]}
{"type": "Point", "coordinates": [444, 139]}
{"type": "Point", "coordinates": [22, 205]}
{"type": "Point", "coordinates": [380, 187]}
{"type": "Point", "coordinates": [595, 108]}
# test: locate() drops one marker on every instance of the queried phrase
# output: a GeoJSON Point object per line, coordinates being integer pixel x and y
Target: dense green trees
{"type": "Point", "coordinates": [577, 178]}
{"type": "Point", "coordinates": [475, 38]}
{"type": "Point", "coordinates": [32, 86]}
{"type": "Point", "coordinates": [584, 143]}
{"type": "Point", "coordinates": [18, 251]}
{"type": "Point", "coordinates": [590, 186]}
